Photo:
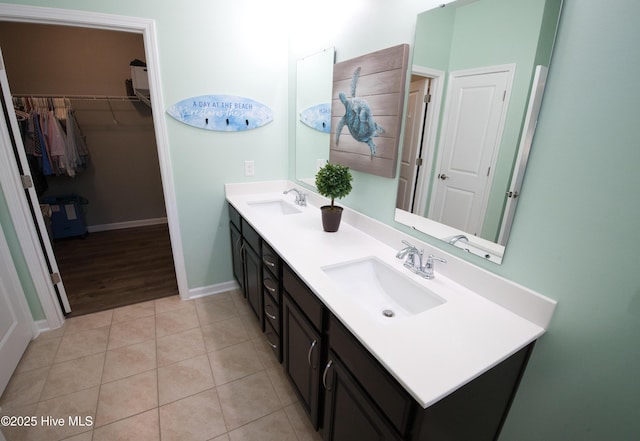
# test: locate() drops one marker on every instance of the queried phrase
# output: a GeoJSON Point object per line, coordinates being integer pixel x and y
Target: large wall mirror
{"type": "Point", "coordinates": [483, 64]}
{"type": "Point", "coordinates": [478, 74]}
{"type": "Point", "coordinates": [314, 82]}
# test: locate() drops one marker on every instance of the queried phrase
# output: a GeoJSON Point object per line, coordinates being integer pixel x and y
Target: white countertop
{"type": "Point", "coordinates": [432, 353]}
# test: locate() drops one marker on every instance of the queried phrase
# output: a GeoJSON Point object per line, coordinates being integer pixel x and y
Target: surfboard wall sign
{"type": "Point", "coordinates": [317, 117]}
{"type": "Point", "coordinates": [224, 113]}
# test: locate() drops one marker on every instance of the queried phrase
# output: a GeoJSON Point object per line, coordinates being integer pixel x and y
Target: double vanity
{"type": "Point", "coordinates": [373, 349]}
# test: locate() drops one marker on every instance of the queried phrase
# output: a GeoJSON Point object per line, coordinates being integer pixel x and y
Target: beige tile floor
{"type": "Point", "coordinates": [161, 370]}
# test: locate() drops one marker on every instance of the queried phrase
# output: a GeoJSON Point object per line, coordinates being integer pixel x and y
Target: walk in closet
{"type": "Point", "coordinates": [105, 174]}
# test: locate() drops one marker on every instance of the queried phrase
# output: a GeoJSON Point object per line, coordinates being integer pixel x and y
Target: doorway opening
{"type": "Point", "coordinates": [421, 130]}
{"type": "Point", "coordinates": [18, 207]}
{"type": "Point", "coordinates": [111, 203]}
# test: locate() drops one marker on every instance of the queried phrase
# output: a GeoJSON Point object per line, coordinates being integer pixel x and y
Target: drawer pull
{"type": "Point", "coordinates": [273, 346]}
{"type": "Point", "coordinates": [324, 375]}
{"type": "Point", "coordinates": [313, 345]}
{"type": "Point", "coordinates": [268, 262]}
{"type": "Point", "coordinates": [271, 316]}
{"type": "Point", "coordinates": [266, 285]}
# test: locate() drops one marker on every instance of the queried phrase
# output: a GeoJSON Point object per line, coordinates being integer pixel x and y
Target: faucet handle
{"type": "Point", "coordinates": [428, 269]}
{"type": "Point", "coordinates": [431, 258]}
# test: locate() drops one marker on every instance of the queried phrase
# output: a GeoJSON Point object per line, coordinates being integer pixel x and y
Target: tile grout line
{"type": "Point", "coordinates": [155, 339]}
{"type": "Point", "coordinates": [104, 363]}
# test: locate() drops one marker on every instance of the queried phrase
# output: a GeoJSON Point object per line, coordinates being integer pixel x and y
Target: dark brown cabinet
{"type": "Point", "coordinates": [386, 400]}
{"type": "Point", "coordinates": [347, 393]}
{"type": "Point", "coordinates": [236, 255]}
{"type": "Point", "coordinates": [349, 413]}
{"type": "Point", "coordinates": [247, 266]}
{"type": "Point", "coordinates": [272, 299]}
{"type": "Point", "coordinates": [253, 288]}
{"type": "Point", "coordinates": [302, 342]}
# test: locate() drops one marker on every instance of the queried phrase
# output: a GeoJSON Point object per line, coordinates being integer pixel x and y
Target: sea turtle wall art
{"type": "Point", "coordinates": [358, 117]}
{"type": "Point", "coordinates": [366, 116]}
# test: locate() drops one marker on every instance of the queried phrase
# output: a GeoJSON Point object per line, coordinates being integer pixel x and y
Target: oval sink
{"type": "Point", "coordinates": [381, 289]}
{"type": "Point", "coordinates": [276, 207]}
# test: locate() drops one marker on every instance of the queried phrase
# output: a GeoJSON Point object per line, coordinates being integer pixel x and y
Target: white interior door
{"type": "Point", "coordinates": [411, 144]}
{"type": "Point", "coordinates": [13, 142]}
{"type": "Point", "coordinates": [16, 324]}
{"type": "Point", "coordinates": [471, 136]}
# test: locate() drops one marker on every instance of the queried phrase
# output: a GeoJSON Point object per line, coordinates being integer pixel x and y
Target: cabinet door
{"type": "Point", "coordinates": [236, 255]}
{"type": "Point", "coordinates": [302, 348]}
{"type": "Point", "coordinates": [253, 285]}
{"type": "Point", "coordinates": [348, 412]}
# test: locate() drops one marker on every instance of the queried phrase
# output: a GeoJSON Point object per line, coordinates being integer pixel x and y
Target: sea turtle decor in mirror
{"type": "Point", "coordinates": [368, 98]}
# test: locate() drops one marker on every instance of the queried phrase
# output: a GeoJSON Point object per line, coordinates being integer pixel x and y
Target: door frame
{"type": "Point", "coordinates": [431, 125]}
{"type": "Point", "coordinates": [26, 233]}
{"type": "Point", "coordinates": [510, 69]}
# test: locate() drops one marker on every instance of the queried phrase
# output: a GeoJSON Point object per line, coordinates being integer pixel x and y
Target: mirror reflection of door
{"type": "Point", "coordinates": [411, 159]}
{"type": "Point", "coordinates": [472, 132]}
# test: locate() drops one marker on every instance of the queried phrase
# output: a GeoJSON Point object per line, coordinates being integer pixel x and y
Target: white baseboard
{"type": "Point", "coordinates": [40, 327]}
{"type": "Point", "coordinates": [127, 224]}
{"type": "Point", "coordinates": [218, 288]}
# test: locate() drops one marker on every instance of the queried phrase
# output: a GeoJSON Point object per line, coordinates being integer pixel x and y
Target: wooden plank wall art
{"type": "Point", "coordinates": [366, 116]}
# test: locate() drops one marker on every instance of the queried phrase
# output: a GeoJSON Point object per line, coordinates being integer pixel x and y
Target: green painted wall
{"type": "Point", "coordinates": [238, 48]}
{"type": "Point", "coordinates": [574, 237]}
{"type": "Point", "coordinates": [29, 289]}
{"type": "Point", "coordinates": [575, 234]}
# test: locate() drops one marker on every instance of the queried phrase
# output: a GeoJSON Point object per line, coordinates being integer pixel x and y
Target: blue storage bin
{"type": "Point", "coordinates": [67, 215]}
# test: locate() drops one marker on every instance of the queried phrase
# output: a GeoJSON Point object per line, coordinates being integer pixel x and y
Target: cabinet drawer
{"type": "Point", "coordinates": [271, 285]}
{"type": "Point", "coordinates": [271, 312]}
{"type": "Point", "coordinates": [251, 236]}
{"type": "Point", "coordinates": [303, 297]}
{"type": "Point", "coordinates": [234, 216]}
{"type": "Point", "coordinates": [273, 340]}
{"type": "Point", "coordinates": [384, 390]}
{"type": "Point", "coordinates": [270, 260]}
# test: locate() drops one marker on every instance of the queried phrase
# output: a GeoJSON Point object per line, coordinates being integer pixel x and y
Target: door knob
{"type": "Point", "coordinates": [443, 176]}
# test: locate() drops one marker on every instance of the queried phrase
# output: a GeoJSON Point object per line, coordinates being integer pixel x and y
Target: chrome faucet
{"type": "Point", "coordinates": [301, 198]}
{"type": "Point", "coordinates": [461, 237]}
{"type": "Point", "coordinates": [414, 261]}
{"type": "Point", "coordinates": [410, 252]}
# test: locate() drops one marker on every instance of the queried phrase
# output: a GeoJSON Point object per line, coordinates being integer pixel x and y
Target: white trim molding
{"type": "Point", "coordinates": [209, 290]}
{"type": "Point", "coordinates": [126, 224]}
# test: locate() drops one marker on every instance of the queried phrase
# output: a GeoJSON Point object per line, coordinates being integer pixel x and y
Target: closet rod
{"type": "Point", "coordinates": [82, 97]}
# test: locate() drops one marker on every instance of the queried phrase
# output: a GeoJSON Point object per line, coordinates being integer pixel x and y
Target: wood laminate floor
{"type": "Point", "coordinates": [116, 268]}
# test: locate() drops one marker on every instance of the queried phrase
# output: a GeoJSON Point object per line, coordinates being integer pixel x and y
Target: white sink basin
{"type": "Point", "coordinates": [276, 207]}
{"type": "Point", "coordinates": [381, 289]}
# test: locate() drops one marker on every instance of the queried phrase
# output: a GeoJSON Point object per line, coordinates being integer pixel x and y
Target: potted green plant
{"type": "Point", "coordinates": [333, 181]}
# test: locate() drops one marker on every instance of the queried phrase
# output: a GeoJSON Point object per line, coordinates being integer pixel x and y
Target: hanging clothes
{"type": "Point", "coordinates": [53, 136]}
